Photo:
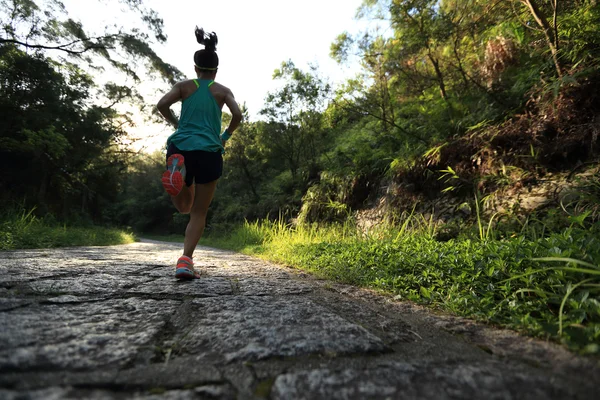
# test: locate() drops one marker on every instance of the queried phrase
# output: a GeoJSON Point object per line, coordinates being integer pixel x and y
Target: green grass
{"type": "Point", "coordinates": [22, 230]}
{"type": "Point", "coordinates": [547, 287]}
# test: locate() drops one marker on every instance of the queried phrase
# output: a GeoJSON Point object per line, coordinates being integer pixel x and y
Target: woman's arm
{"type": "Point", "coordinates": [165, 103]}
{"type": "Point", "coordinates": [236, 114]}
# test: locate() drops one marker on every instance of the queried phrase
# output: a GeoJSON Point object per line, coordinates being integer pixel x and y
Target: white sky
{"type": "Point", "coordinates": [255, 37]}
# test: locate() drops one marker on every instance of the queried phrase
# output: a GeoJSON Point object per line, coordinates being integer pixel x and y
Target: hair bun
{"type": "Point", "coordinates": [209, 40]}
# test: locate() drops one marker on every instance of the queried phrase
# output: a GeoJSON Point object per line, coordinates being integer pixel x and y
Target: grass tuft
{"type": "Point", "coordinates": [23, 230]}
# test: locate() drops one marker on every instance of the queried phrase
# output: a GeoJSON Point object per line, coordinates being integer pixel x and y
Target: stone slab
{"type": "Point", "coordinates": [207, 286]}
{"type": "Point", "coordinates": [398, 380]}
{"type": "Point", "coordinates": [114, 323]}
{"type": "Point", "coordinates": [32, 270]}
{"type": "Point", "coordinates": [255, 328]}
{"type": "Point", "coordinates": [270, 287]}
{"type": "Point", "coordinates": [9, 303]}
{"type": "Point", "coordinates": [174, 374]}
{"type": "Point", "coordinates": [79, 336]}
{"type": "Point", "coordinates": [27, 381]}
{"type": "Point", "coordinates": [71, 393]}
{"type": "Point", "coordinates": [86, 285]}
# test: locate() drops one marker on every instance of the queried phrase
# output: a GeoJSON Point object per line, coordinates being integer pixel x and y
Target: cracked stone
{"type": "Point", "coordinates": [263, 287]}
{"type": "Point", "coordinates": [77, 336]}
{"type": "Point", "coordinates": [178, 373]}
{"type": "Point", "coordinates": [60, 393]}
{"type": "Point", "coordinates": [91, 285]}
{"type": "Point", "coordinates": [7, 304]}
{"type": "Point", "coordinates": [397, 380]}
{"type": "Point", "coordinates": [31, 381]}
{"type": "Point", "coordinates": [253, 328]}
{"type": "Point", "coordinates": [205, 287]}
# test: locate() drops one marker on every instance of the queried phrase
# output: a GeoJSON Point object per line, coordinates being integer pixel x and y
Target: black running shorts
{"type": "Point", "coordinates": [200, 166]}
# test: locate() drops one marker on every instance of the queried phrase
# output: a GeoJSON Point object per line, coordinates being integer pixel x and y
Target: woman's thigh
{"type": "Point", "coordinates": [203, 197]}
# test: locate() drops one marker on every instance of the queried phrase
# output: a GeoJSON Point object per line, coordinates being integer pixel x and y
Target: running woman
{"type": "Point", "coordinates": [194, 151]}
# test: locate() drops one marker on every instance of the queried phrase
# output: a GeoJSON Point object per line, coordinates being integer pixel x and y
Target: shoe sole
{"type": "Point", "coordinates": [172, 180]}
{"type": "Point", "coordinates": [185, 273]}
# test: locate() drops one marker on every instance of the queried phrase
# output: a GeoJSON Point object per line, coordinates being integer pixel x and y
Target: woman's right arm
{"type": "Point", "coordinates": [236, 113]}
{"type": "Point", "coordinates": [165, 103]}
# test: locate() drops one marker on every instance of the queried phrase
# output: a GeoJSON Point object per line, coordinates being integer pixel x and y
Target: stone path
{"type": "Point", "coordinates": [113, 323]}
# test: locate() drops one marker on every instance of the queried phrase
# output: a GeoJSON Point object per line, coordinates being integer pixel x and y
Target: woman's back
{"type": "Point", "coordinates": [200, 120]}
{"type": "Point", "coordinates": [218, 91]}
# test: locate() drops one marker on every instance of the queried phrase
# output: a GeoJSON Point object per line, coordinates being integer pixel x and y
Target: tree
{"type": "Point", "coordinates": [49, 138]}
{"type": "Point", "coordinates": [550, 29]}
{"type": "Point", "coordinates": [45, 25]}
{"type": "Point", "coordinates": [62, 148]}
{"type": "Point", "coordinates": [294, 116]}
{"type": "Point", "coordinates": [141, 202]}
{"type": "Point", "coordinates": [569, 28]}
{"type": "Point", "coordinates": [243, 157]}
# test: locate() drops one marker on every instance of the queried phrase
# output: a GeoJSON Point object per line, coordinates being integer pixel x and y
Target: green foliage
{"type": "Point", "coordinates": [326, 201]}
{"type": "Point", "coordinates": [294, 131]}
{"type": "Point", "coordinates": [582, 201]}
{"type": "Point", "coordinates": [547, 287]}
{"type": "Point", "coordinates": [45, 25]}
{"type": "Point", "coordinates": [581, 33]}
{"type": "Point", "coordinates": [63, 148]}
{"type": "Point", "coordinates": [142, 203]}
{"type": "Point", "coordinates": [56, 148]}
{"type": "Point", "coordinates": [340, 47]}
{"type": "Point", "coordinates": [270, 164]}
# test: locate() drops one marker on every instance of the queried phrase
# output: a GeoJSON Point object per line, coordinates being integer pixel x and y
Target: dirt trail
{"type": "Point", "coordinates": [113, 323]}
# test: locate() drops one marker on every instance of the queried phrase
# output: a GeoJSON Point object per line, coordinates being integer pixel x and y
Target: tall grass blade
{"type": "Point", "coordinates": [567, 260]}
{"type": "Point", "coordinates": [570, 289]}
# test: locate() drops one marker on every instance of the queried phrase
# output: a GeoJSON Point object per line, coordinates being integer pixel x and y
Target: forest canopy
{"type": "Point", "coordinates": [62, 132]}
{"type": "Point", "coordinates": [440, 71]}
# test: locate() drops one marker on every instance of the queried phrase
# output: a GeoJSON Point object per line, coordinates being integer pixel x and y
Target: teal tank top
{"type": "Point", "coordinates": [200, 121]}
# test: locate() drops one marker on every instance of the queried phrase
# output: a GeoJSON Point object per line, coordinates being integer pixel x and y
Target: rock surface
{"type": "Point", "coordinates": [114, 323]}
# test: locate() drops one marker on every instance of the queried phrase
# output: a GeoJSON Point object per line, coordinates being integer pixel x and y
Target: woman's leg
{"type": "Point", "coordinates": [184, 200]}
{"type": "Point", "coordinates": [202, 199]}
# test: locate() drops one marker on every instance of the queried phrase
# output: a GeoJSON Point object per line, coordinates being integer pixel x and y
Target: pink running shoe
{"type": "Point", "coordinates": [172, 179]}
{"type": "Point", "coordinates": [185, 269]}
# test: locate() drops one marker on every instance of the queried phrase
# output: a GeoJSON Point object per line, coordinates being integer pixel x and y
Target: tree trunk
{"type": "Point", "coordinates": [551, 34]}
{"type": "Point", "coordinates": [459, 61]}
{"type": "Point", "coordinates": [41, 198]}
{"type": "Point", "coordinates": [250, 181]}
{"type": "Point", "coordinates": [440, 76]}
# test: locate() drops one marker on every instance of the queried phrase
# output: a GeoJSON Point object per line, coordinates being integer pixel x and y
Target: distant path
{"type": "Point", "coordinates": [112, 322]}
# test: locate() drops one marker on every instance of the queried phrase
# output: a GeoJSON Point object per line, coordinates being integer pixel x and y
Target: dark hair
{"type": "Point", "coordinates": [207, 58]}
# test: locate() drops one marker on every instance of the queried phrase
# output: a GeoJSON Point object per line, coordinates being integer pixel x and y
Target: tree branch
{"type": "Point", "coordinates": [524, 23]}
{"type": "Point", "coordinates": [363, 111]}
{"type": "Point", "coordinates": [543, 23]}
{"type": "Point", "coordinates": [486, 11]}
{"type": "Point", "coordinates": [555, 22]}
{"type": "Point", "coordinates": [62, 47]}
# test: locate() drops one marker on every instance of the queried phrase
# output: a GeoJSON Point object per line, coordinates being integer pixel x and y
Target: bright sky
{"type": "Point", "coordinates": [255, 37]}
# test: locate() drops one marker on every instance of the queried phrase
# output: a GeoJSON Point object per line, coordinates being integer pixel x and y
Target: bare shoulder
{"type": "Point", "coordinates": [186, 87]}
{"type": "Point", "coordinates": [183, 83]}
{"type": "Point", "coordinates": [222, 88]}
